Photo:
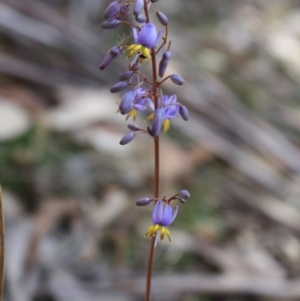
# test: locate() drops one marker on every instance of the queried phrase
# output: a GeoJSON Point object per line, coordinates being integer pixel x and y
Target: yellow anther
{"type": "Point", "coordinates": [168, 234]}
{"type": "Point", "coordinates": [150, 117]}
{"type": "Point", "coordinates": [152, 231]}
{"type": "Point", "coordinates": [162, 233]}
{"type": "Point", "coordinates": [134, 50]}
{"type": "Point", "coordinates": [132, 113]}
{"type": "Point", "coordinates": [166, 125]}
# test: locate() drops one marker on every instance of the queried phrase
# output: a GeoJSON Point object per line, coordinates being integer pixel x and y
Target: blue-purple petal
{"type": "Point", "coordinates": [174, 214]}
{"type": "Point", "coordinates": [167, 216]}
{"type": "Point", "coordinates": [127, 102]}
{"type": "Point", "coordinates": [148, 36]}
{"type": "Point", "coordinates": [157, 213]}
{"type": "Point", "coordinates": [158, 120]}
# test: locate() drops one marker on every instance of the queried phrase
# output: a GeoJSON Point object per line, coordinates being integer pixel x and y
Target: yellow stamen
{"type": "Point", "coordinates": [132, 113]}
{"type": "Point", "coordinates": [134, 50]}
{"type": "Point", "coordinates": [168, 234]}
{"type": "Point", "coordinates": [150, 117]}
{"type": "Point", "coordinates": [152, 231]}
{"type": "Point", "coordinates": [162, 233]}
{"type": "Point", "coordinates": [166, 125]}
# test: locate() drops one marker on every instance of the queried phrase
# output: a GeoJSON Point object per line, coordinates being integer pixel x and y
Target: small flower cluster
{"type": "Point", "coordinates": [140, 94]}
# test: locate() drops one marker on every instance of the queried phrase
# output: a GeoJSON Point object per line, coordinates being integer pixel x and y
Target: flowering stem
{"type": "Point", "coordinates": [156, 165]}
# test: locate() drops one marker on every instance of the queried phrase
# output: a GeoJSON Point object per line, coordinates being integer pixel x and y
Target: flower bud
{"type": "Point", "coordinates": [184, 194]}
{"type": "Point", "coordinates": [140, 18]}
{"type": "Point", "coordinates": [138, 5]}
{"type": "Point", "coordinates": [127, 138]}
{"type": "Point", "coordinates": [162, 18]}
{"type": "Point", "coordinates": [116, 51]}
{"type": "Point", "coordinates": [163, 64]}
{"type": "Point", "coordinates": [135, 64]}
{"type": "Point", "coordinates": [184, 113]}
{"type": "Point", "coordinates": [124, 11]}
{"type": "Point", "coordinates": [112, 10]}
{"type": "Point", "coordinates": [127, 102]}
{"type": "Point", "coordinates": [176, 79]}
{"type": "Point", "coordinates": [112, 54]}
{"type": "Point", "coordinates": [182, 201]}
{"type": "Point", "coordinates": [143, 202]}
{"type": "Point", "coordinates": [110, 24]}
{"type": "Point", "coordinates": [118, 87]}
{"type": "Point", "coordinates": [126, 76]}
{"type": "Point", "coordinates": [133, 127]}
{"type": "Point", "coordinates": [158, 120]}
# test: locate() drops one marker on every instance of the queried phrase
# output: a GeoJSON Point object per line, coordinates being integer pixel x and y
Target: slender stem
{"type": "Point", "coordinates": [149, 270]}
{"type": "Point", "coordinates": [2, 246]}
{"type": "Point", "coordinates": [156, 164]}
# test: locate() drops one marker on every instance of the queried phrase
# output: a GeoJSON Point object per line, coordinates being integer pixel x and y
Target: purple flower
{"type": "Point", "coordinates": [147, 36]}
{"type": "Point", "coordinates": [158, 120]}
{"type": "Point", "coordinates": [168, 109]}
{"type": "Point", "coordinates": [162, 217]}
{"type": "Point", "coordinates": [133, 102]}
{"type": "Point", "coordinates": [144, 40]}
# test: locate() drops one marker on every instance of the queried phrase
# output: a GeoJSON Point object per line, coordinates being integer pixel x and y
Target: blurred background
{"type": "Point", "coordinates": [73, 231]}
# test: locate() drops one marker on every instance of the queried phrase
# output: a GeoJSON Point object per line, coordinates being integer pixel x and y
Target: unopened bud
{"type": "Point", "coordinates": [184, 194]}
{"type": "Point", "coordinates": [184, 113]}
{"type": "Point", "coordinates": [163, 64]}
{"type": "Point", "coordinates": [133, 127]}
{"type": "Point", "coordinates": [112, 10]}
{"type": "Point", "coordinates": [112, 54]}
{"type": "Point", "coordinates": [176, 79]}
{"type": "Point", "coordinates": [110, 24]}
{"type": "Point", "coordinates": [140, 18]}
{"type": "Point", "coordinates": [126, 76]}
{"type": "Point", "coordinates": [127, 138]}
{"type": "Point", "coordinates": [118, 87]}
{"type": "Point", "coordinates": [138, 5]}
{"type": "Point", "coordinates": [162, 18]}
{"type": "Point", "coordinates": [143, 202]}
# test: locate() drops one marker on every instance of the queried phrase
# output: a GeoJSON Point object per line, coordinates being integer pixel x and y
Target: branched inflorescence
{"type": "Point", "coordinates": [146, 43]}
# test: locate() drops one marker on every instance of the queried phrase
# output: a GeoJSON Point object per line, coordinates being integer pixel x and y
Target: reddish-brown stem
{"type": "Point", "coordinates": [156, 164]}
{"type": "Point", "coordinates": [164, 80]}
